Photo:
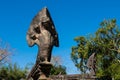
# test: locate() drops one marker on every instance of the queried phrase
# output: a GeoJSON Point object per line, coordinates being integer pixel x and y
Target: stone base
{"type": "Point", "coordinates": [45, 71]}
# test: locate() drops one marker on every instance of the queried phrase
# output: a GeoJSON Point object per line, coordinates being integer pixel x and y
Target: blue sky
{"type": "Point", "coordinates": [72, 18]}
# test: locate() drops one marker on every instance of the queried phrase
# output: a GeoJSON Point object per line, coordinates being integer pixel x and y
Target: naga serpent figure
{"type": "Point", "coordinates": [42, 33]}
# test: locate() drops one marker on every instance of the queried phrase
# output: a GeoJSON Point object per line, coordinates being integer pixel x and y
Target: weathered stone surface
{"type": "Point", "coordinates": [91, 64]}
{"type": "Point", "coordinates": [45, 70]}
{"type": "Point", "coordinates": [42, 33]}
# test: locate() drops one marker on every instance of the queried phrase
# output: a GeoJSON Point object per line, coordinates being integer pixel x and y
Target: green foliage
{"type": "Point", "coordinates": [106, 44]}
{"type": "Point", "coordinates": [56, 70]}
{"type": "Point", "coordinates": [79, 53]}
{"type": "Point", "coordinates": [12, 72]}
{"type": "Point", "coordinates": [114, 69]}
{"type": "Point", "coordinates": [57, 67]}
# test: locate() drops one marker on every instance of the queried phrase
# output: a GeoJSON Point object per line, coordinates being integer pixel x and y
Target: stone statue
{"type": "Point", "coordinates": [91, 64]}
{"type": "Point", "coordinates": [42, 33]}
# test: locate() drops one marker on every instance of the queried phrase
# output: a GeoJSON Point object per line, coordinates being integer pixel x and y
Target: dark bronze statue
{"type": "Point", "coordinates": [42, 33]}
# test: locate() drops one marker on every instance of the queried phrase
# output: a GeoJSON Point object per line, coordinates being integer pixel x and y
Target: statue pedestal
{"type": "Point", "coordinates": [45, 71]}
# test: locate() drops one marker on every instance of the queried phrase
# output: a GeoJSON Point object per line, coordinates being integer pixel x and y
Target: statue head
{"type": "Point", "coordinates": [41, 21]}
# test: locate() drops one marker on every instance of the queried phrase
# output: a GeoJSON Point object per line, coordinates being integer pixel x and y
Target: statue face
{"type": "Point", "coordinates": [42, 30]}
{"type": "Point", "coordinates": [31, 37]}
{"type": "Point", "coordinates": [30, 41]}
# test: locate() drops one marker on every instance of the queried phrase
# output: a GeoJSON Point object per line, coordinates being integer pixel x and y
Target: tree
{"type": "Point", "coordinates": [9, 71]}
{"type": "Point", "coordinates": [12, 72]}
{"type": "Point", "coordinates": [106, 44]}
{"type": "Point", "coordinates": [5, 52]}
{"type": "Point", "coordinates": [56, 60]}
{"type": "Point", "coordinates": [80, 54]}
{"type": "Point", "coordinates": [57, 68]}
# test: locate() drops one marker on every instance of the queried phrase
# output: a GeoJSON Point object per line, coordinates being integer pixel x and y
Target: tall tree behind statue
{"type": "Point", "coordinates": [106, 44]}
